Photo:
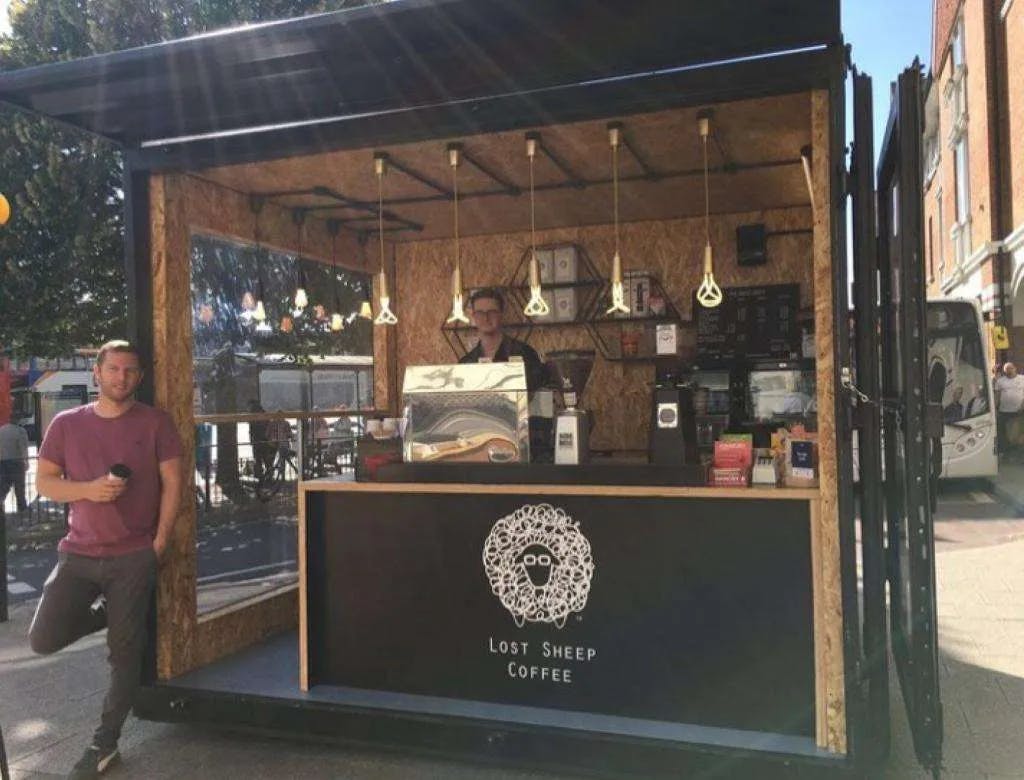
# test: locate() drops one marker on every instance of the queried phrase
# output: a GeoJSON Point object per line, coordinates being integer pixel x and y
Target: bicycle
{"type": "Point", "coordinates": [271, 481]}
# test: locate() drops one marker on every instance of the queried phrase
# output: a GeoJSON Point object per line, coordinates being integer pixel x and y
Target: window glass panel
{"type": "Point", "coordinates": [280, 368]}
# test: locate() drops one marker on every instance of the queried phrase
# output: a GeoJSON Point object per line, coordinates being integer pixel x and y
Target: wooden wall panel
{"type": "Point", "coordinates": [672, 250]}
{"type": "Point", "coordinates": [180, 206]}
{"type": "Point", "coordinates": [172, 372]}
{"type": "Point", "coordinates": [245, 624]}
{"type": "Point", "coordinates": [829, 647]}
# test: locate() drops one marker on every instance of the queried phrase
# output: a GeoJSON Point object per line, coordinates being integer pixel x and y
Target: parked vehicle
{"type": "Point", "coordinates": [959, 380]}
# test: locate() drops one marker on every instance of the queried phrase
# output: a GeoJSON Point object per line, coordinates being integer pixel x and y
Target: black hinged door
{"type": "Point", "coordinates": [908, 474]}
{"type": "Point", "coordinates": [868, 423]}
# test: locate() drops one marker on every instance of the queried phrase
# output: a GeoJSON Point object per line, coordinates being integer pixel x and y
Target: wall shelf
{"type": "Point", "coordinates": [592, 299]}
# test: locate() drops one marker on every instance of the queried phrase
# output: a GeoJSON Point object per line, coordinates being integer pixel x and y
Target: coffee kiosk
{"type": "Point", "coordinates": [611, 611]}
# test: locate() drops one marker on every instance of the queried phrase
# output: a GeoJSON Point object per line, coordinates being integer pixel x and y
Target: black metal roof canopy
{"type": "Point", "coordinates": [392, 57]}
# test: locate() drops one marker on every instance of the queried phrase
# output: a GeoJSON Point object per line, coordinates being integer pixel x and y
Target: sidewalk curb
{"type": "Point", "coordinates": [1013, 501]}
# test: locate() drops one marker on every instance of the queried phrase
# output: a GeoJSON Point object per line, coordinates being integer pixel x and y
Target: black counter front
{"type": "Point", "coordinates": [691, 610]}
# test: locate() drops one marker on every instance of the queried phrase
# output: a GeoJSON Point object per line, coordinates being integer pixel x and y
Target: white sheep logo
{"type": "Point", "coordinates": [539, 565]}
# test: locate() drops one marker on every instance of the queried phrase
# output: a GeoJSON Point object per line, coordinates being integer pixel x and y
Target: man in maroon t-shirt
{"type": "Point", "coordinates": [118, 463]}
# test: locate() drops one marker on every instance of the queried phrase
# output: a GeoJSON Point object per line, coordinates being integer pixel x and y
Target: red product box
{"type": "Point", "coordinates": [730, 476]}
{"type": "Point", "coordinates": [733, 454]}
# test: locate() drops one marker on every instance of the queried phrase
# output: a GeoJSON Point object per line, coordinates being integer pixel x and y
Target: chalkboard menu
{"type": "Point", "coordinates": [750, 323]}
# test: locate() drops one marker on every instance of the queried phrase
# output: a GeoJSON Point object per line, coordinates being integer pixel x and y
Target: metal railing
{"type": "Point", "coordinates": [39, 512]}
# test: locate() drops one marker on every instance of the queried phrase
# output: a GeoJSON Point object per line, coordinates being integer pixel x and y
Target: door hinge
{"type": "Point", "coordinates": [846, 381]}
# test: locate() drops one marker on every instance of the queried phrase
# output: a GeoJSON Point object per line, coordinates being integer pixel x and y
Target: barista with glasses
{"type": "Point", "coordinates": [487, 308]}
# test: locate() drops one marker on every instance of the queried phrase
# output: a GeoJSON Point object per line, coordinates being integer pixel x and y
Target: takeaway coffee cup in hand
{"type": "Point", "coordinates": [119, 473]}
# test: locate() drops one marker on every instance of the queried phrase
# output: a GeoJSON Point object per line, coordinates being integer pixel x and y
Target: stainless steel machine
{"type": "Point", "coordinates": [571, 370]}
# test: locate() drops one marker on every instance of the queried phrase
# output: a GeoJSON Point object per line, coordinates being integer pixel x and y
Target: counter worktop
{"type": "Point", "coordinates": [347, 484]}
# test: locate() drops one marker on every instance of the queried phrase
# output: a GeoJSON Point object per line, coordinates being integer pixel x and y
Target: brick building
{"type": "Point", "coordinates": [974, 160]}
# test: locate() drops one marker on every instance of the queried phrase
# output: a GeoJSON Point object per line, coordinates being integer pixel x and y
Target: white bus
{"type": "Point", "coordinates": [959, 378]}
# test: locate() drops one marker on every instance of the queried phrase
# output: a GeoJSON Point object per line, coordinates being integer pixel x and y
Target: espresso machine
{"type": "Point", "coordinates": [673, 435]}
{"type": "Point", "coordinates": [571, 370]}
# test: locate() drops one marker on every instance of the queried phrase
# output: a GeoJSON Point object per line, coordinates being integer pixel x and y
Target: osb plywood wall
{"type": "Point", "coordinates": [179, 207]}
{"type": "Point", "coordinates": [672, 250]}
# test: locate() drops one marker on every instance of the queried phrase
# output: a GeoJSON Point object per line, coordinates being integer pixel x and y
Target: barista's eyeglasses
{"type": "Point", "coordinates": [486, 312]}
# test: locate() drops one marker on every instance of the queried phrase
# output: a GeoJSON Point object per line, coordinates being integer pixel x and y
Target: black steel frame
{"type": "Point", "coordinates": [819, 69]}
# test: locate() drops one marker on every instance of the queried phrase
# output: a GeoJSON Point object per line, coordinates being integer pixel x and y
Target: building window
{"type": "Point", "coordinates": [962, 191]}
{"type": "Point", "coordinates": [942, 227]}
{"type": "Point", "coordinates": [956, 43]}
{"type": "Point", "coordinates": [955, 91]}
{"type": "Point", "coordinates": [963, 183]}
{"type": "Point", "coordinates": [931, 250]}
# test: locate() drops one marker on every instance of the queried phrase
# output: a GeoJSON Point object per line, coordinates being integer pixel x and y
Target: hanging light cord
{"type": "Point", "coordinates": [380, 213]}
{"type": "Point", "coordinates": [533, 212]}
{"type": "Point", "coordinates": [707, 192]}
{"type": "Point", "coordinates": [455, 195]}
{"type": "Point", "coordinates": [536, 306]}
{"type": "Point", "coordinates": [709, 294]}
{"type": "Point", "coordinates": [615, 191]}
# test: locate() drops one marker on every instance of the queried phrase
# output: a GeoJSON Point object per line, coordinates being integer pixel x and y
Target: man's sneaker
{"type": "Point", "coordinates": [94, 762]}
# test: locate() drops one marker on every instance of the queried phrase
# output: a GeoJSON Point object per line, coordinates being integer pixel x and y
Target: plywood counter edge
{"type": "Point", "coordinates": [628, 491]}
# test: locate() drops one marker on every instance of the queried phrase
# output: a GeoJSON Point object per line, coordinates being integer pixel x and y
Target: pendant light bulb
{"type": "Point", "coordinates": [536, 306]}
{"type": "Point", "coordinates": [618, 291]}
{"type": "Point", "coordinates": [337, 323]}
{"type": "Point", "coordinates": [384, 315]}
{"type": "Point", "coordinates": [366, 310]}
{"type": "Point", "coordinates": [458, 310]}
{"type": "Point", "coordinates": [260, 315]}
{"type": "Point", "coordinates": [619, 305]}
{"type": "Point", "coordinates": [709, 294]}
{"type": "Point", "coordinates": [301, 299]}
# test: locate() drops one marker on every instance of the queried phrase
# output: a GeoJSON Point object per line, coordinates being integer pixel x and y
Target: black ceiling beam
{"type": "Point", "coordinates": [649, 172]}
{"type": "Point", "coordinates": [572, 178]}
{"type": "Point", "coordinates": [781, 75]}
{"type": "Point", "coordinates": [388, 216]}
{"type": "Point", "coordinates": [554, 186]}
{"type": "Point", "coordinates": [505, 184]}
{"type": "Point", "coordinates": [344, 202]}
{"type": "Point", "coordinates": [399, 56]}
{"type": "Point", "coordinates": [417, 176]}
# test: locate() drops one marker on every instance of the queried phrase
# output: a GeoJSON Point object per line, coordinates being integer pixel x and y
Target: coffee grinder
{"type": "Point", "coordinates": [571, 370]}
{"type": "Point", "coordinates": [673, 439]}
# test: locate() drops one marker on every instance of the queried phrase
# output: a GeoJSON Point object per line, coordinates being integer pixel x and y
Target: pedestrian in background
{"type": "Point", "coordinates": [118, 463]}
{"type": "Point", "coordinates": [1009, 403]}
{"type": "Point", "coordinates": [13, 463]}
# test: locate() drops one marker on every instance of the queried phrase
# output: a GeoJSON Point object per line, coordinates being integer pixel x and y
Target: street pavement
{"type": "Point", "coordinates": [48, 704]}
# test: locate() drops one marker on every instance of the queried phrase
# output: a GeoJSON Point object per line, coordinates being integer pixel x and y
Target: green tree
{"type": "Point", "coordinates": [61, 256]}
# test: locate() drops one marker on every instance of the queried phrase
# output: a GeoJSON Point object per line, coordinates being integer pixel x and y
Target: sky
{"type": "Point", "coordinates": [886, 35]}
